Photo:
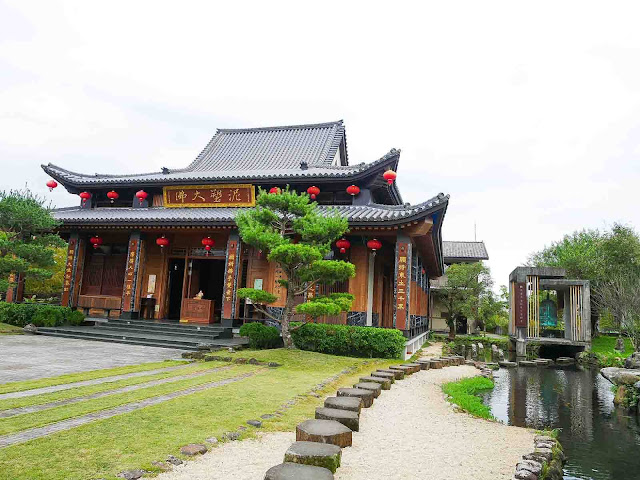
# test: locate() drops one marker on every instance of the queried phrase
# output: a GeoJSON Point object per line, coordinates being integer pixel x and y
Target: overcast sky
{"type": "Point", "coordinates": [527, 115]}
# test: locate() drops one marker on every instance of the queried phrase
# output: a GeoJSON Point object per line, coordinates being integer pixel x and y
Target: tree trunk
{"type": "Point", "coordinates": [286, 318]}
{"type": "Point", "coordinates": [452, 330]}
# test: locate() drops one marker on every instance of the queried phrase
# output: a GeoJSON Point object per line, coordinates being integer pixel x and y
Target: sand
{"type": "Point", "coordinates": [411, 432]}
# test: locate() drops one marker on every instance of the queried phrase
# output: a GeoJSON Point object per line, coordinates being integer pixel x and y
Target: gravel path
{"type": "Point", "coordinates": [410, 432]}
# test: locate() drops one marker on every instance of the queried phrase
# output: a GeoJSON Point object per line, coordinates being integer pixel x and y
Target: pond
{"type": "Point", "coordinates": [601, 441]}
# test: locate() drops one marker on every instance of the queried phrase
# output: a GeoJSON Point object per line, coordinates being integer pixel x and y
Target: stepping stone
{"type": "Point", "coordinates": [398, 374]}
{"type": "Point", "coordinates": [506, 364]}
{"type": "Point", "coordinates": [389, 376]}
{"type": "Point", "coordinates": [424, 364]}
{"type": "Point", "coordinates": [297, 471]}
{"type": "Point", "coordinates": [405, 370]}
{"type": "Point", "coordinates": [193, 449]}
{"type": "Point", "coordinates": [384, 382]}
{"type": "Point", "coordinates": [492, 366]}
{"type": "Point", "coordinates": [346, 417]}
{"type": "Point", "coordinates": [436, 364]}
{"type": "Point", "coordinates": [376, 388]}
{"type": "Point", "coordinates": [565, 360]}
{"type": "Point", "coordinates": [316, 454]}
{"type": "Point", "coordinates": [526, 363]}
{"type": "Point", "coordinates": [324, 431]}
{"type": "Point", "coordinates": [414, 366]}
{"type": "Point", "coordinates": [352, 404]}
{"type": "Point", "coordinates": [366, 396]}
{"type": "Point", "coordinates": [543, 362]}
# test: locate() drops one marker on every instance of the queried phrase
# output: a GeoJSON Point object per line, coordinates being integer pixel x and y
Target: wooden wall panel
{"type": "Point", "coordinates": [378, 281]}
{"type": "Point", "coordinates": [155, 264]}
{"type": "Point", "coordinates": [358, 284]}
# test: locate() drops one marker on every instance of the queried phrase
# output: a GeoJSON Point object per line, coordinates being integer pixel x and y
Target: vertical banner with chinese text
{"type": "Point", "coordinates": [402, 283]}
{"type": "Point", "coordinates": [230, 277]}
{"type": "Point", "coordinates": [69, 282]}
{"type": "Point", "coordinates": [131, 273]}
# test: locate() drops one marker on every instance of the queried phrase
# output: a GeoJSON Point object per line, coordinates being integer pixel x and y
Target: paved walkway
{"type": "Point", "coordinates": [33, 433]}
{"type": "Point", "coordinates": [12, 412]}
{"type": "Point", "coordinates": [84, 383]}
{"type": "Point", "coordinates": [27, 357]}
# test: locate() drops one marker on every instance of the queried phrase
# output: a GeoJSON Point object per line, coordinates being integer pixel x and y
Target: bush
{"type": "Point", "coordinates": [21, 314]}
{"type": "Point", "coordinates": [261, 336]}
{"type": "Point", "coordinates": [348, 340]}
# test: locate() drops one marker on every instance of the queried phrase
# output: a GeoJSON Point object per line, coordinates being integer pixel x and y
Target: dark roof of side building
{"type": "Point", "coordinates": [464, 251]}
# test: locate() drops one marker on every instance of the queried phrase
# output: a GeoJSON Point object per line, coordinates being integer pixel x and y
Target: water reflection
{"type": "Point", "coordinates": [600, 440]}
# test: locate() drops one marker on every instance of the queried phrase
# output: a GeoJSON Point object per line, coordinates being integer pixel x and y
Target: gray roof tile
{"type": "Point", "coordinates": [356, 214]}
{"type": "Point", "coordinates": [464, 250]}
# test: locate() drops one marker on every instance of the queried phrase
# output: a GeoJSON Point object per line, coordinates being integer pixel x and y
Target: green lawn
{"type": "Point", "coordinates": [6, 329]}
{"type": "Point", "coordinates": [102, 449]}
{"type": "Point", "coordinates": [604, 348]}
{"type": "Point", "coordinates": [464, 394]}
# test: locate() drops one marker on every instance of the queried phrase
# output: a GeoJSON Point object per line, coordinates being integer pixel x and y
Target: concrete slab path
{"type": "Point", "coordinates": [28, 357]}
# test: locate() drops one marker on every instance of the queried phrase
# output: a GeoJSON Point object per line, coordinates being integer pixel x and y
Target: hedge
{"type": "Point", "coordinates": [261, 336]}
{"type": "Point", "coordinates": [348, 340]}
{"type": "Point", "coordinates": [21, 314]}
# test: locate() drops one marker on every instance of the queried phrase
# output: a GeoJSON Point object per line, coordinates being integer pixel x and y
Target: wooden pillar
{"type": "Point", "coordinates": [131, 291]}
{"type": "Point", "coordinates": [402, 288]}
{"type": "Point", "coordinates": [73, 271]}
{"type": "Point", "coordinates": [370, 278]}
{"type": "Point", "coordinates": [231, 269]}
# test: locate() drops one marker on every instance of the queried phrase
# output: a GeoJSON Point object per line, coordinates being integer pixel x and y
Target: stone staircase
{"type": "Point", "coordinates": [148, 332]}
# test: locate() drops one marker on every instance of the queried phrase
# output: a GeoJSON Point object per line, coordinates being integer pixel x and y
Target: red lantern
{"type": "Point", "coordinates": [96, 241]}
{"type": "Point", "coordinates": [374, 244]}
{"type": "Point", "coordinates": [162, 241]}
{"type": "Point", "coordinates": [313, 191]}
{"type": "Point", "coordinates": [343, 244]}
{"type": "Point", "coordinates": [353, 190]}
{"type": "Point", "coordinates": [141, 195]}
{"type": "Point", "coordinates": [52, 184]}
{"type": "Point", "coordinates": [208, 242]}
{"type": "Point", "coordinates": [389, 176]}
{"type": "Point", "coordinates": [84, 196]}
{"type": "Point", "coordinates": [112, 195]}
{"type": "Point", "coordinates": [274, 190]}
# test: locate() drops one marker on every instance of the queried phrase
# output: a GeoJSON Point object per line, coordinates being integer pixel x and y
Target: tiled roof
{"type": "Point", "coordinates": [254, 153]}
{"type": "Point", "coordinates": [356, 214]}
{"type": "Point", "coordinates": [464, 251]}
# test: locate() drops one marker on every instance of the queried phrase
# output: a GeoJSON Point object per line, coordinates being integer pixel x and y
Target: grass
{"type": "Point", "coordinates": [6, 329]}
{"type": "Point", "coordinates": [134, 440]}
{"type": "Point", "coordinates": [464, 394]}
{"type": "Point", "coordinates": [603, 346]}
{"type": "Point", "coordinates": [82, 376]}
{"type": "Point", "coordinates": [101, 387]}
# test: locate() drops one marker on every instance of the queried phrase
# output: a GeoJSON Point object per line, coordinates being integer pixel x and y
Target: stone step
{"type": "Point", "coordinates": [104, 332]}
{"type": "Point", "coordinates": [175, 326]}
{"type": "Point", "coordinates": [405, 370]}
{"type": "Point", "coordinates": [376, 388]}
{"type": "Point", "coordinates": [398, 374]}
{"type": "Point", "coordinates": [436, 364]}
{"type": "Point", "coordinates": [297, 471]}
{"type": "Point", "coordinates": [415, 367]}
{"type": "Point", "coordinates": [385, 383]}
{"type": "Point", "coordinates": [543, 362]}
{"type": "Point", "coordinates": [366, 396]}
{"type": "Point", "coordinates": [346, 417]}
{"type": "Point", "coordinates": [323, 455]}
{"type": "Point", "coordinates": [144, 342]}
{"type": "Point", "coordinates": [506, 364]}
{"type": "Point", "coordinates": [424, 364]}
{"type": "Point", "coordinates": [176, 332]}
{"type": "Point", "coordinates": [324, 431]}
{"type": "Point", "coordinates": [352, 404]}
{"type": "Point", "coordinates": [527, 363]}
{"type": "Point", "coordinates": [389, 376]}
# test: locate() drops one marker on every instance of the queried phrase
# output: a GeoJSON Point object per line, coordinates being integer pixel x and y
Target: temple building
{"type": "Point", "coordinates": [163, 245]}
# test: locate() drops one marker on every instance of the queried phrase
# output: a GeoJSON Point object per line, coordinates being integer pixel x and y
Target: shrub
{"type": "Point", "coordinates": [464, 393]}
{"type": "Point", "coordinates": [21, 314]}
{"type": "Point", "coordinates": [349, 341]}
{"type": "Point", "coordinates": [261, 336]}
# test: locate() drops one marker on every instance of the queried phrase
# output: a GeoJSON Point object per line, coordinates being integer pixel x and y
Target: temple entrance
{"type": "Point", "coordinates": [202, 302]}
{"type": "Point", "coordinates": [175, 287]}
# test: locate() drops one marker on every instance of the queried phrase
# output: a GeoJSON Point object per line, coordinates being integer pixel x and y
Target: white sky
{"type": "Point", "coordinates": [526, 113]}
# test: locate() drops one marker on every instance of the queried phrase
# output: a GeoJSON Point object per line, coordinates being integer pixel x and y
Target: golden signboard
{"type": "Point", "coordinates": [241, 195]}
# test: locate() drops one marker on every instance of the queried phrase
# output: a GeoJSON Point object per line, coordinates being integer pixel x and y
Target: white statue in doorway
{"type": "Point", "coordinates": [199, 295]}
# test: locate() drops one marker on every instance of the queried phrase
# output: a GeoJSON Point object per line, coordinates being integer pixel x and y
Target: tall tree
{"type": "Point", "coordinates": [288, 228]}
{"type": "Point", "coordinates": [27, 244]}
{"type": "Point", "coordinates": [463, 291]}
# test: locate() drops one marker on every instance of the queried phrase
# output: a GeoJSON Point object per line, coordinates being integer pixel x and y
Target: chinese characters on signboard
{"type": "Point", "coordinates": [209, 196]}
{"type": "Point", "coordinates": [520, 303]}
{"type": "Point", "coordinates": [229, 279]}
{"type": "Point", "coordinates": [402, 285]}
{"type": "Point", "coordinates": [68, 272]}
{"type": "Point", "coordinates": [129, 279]}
